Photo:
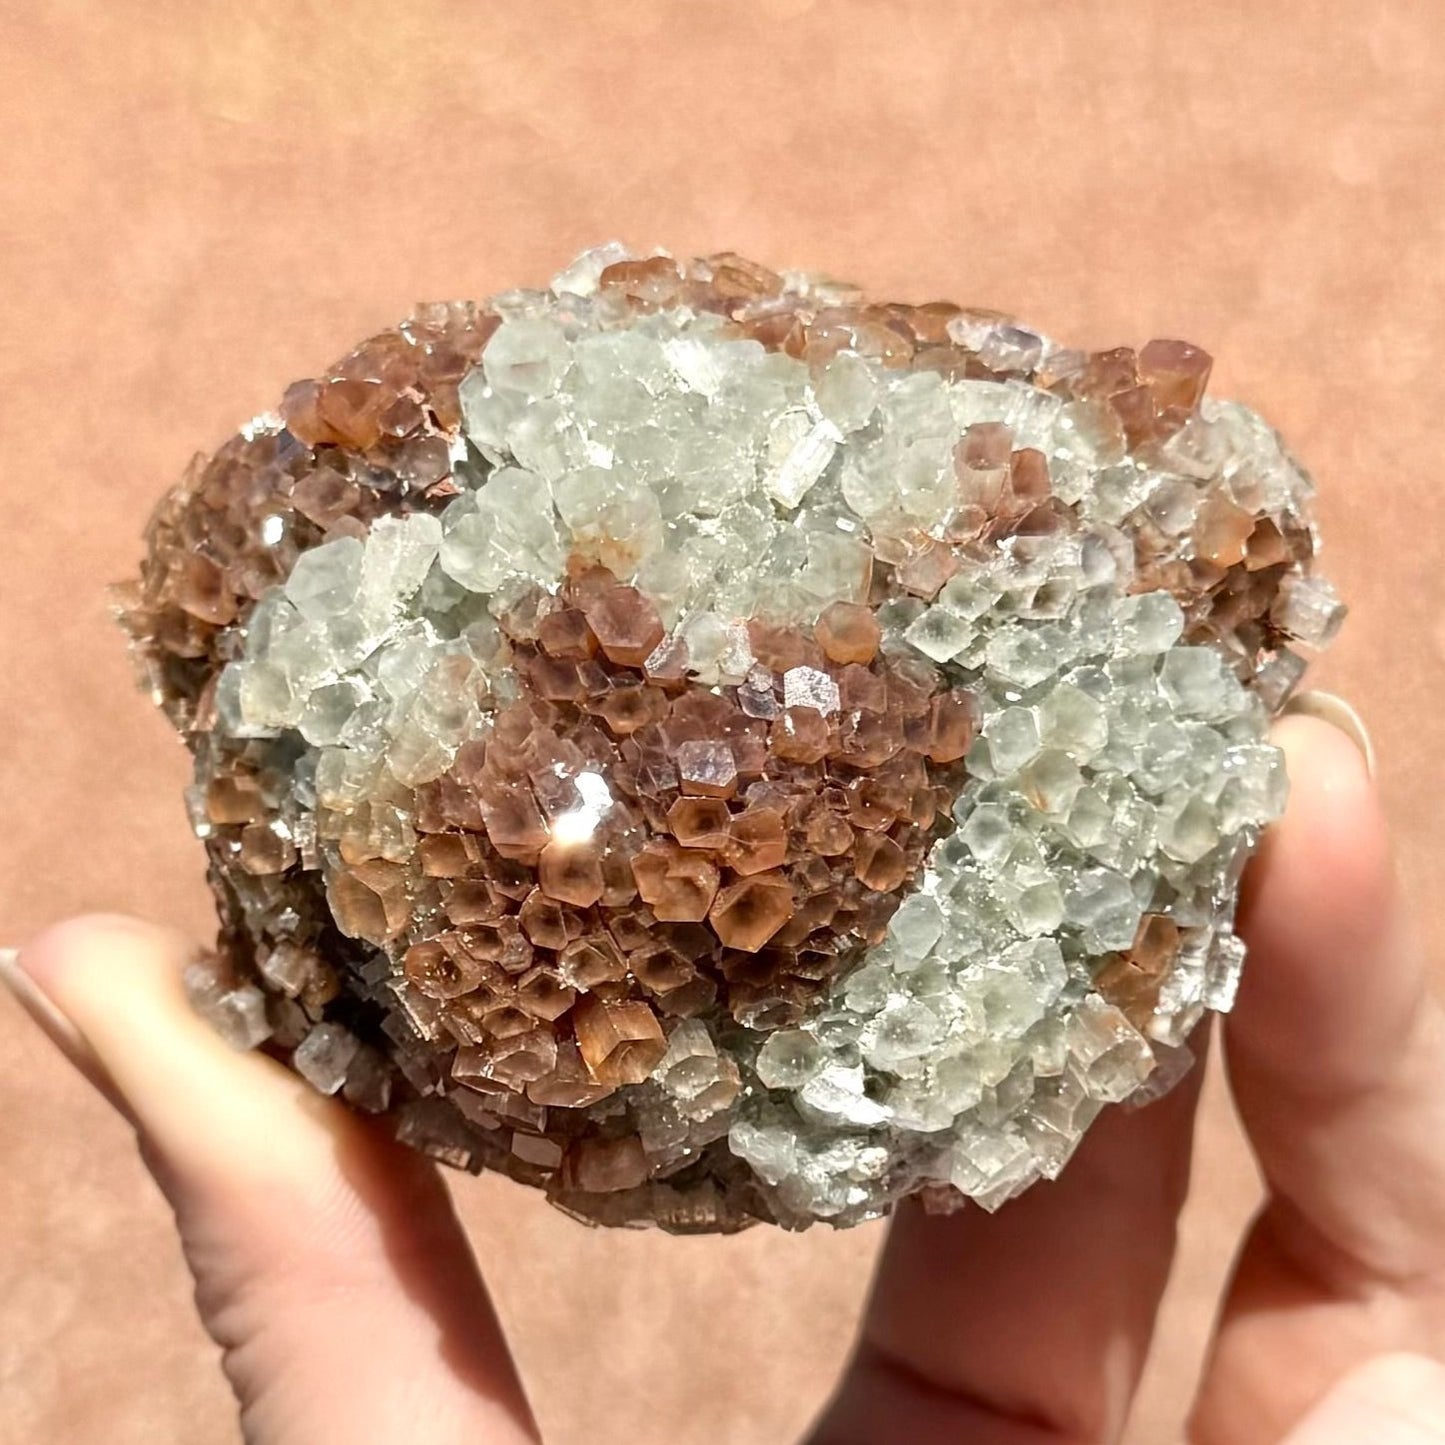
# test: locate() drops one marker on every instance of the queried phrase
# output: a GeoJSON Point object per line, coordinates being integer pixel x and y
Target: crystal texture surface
{"type": "Point", "coordinates": [716, 748]}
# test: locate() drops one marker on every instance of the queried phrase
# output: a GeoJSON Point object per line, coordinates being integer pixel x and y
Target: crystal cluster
{"type": "Point", "coordinates": [716, 748]}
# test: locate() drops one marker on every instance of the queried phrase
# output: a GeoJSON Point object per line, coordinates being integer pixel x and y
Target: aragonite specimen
{"type": "Point", "coordinates": [716, 748]}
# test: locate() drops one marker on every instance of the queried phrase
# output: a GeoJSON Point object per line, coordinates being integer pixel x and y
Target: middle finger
{"type": "Point", "coordinates": [1031, 1324]}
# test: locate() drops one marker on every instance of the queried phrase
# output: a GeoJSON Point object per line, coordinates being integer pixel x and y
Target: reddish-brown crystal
{"type": "Point", "coordinates": [678, 884]}
{"type": "Point", "coordinates": [801, 735]}
{"type": "Point", "coordinates": [952, 722]}
{"type": "Point", "coordinates": [571, 872]}
{"type": "Point", "coordinates": [881, 864]}
{"type": "Point", "coordinates": [604, 1166]}
{"type": "Point", "coordinates": [439, 973]}
{"type": "Point", "coordinates": [1131, 980]}
{"type": "Point", "coordinates": [620, 1042]}
{"type": "Point", "coordinates": [849, 632]}
{"type": "Point", "coordinates": [369, 900]}
{"type": "Point", "coordinates": [1222, 530]}
{"type": "Point", "coordinates": [565, 633]}
{"type": "Point", "coordinates": [656, 281]}
{"type": "Point", "coordinates": [1176, 372]}
{"type": "Point", "coordinates": [700, 822]}
{"type": "Point", "coordinates": [749, 912]}
{"type": "Point", "coordinates": [265, 851]}
{"type": "Point", "coordinates": [705, 798]}
{"type": "Point", "coordinates": [757, 841]}
{"type": "Point", "coordinates": [926, 567]}
{"type": "Point", "coordinates": [588, 962]}
{"type": "Point", "coordinates": [625, 624]}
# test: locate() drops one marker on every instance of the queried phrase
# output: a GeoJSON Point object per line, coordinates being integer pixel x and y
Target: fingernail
{"type": "Point", "coordinates": [51, 1022]}
{"type": "Point", "coordinates": [1340, 715]}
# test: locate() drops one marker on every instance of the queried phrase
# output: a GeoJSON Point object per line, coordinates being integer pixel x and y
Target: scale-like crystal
{"type": "Point", "coordinates": [716, 748]}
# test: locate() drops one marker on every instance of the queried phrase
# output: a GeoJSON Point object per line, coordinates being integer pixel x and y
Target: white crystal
{"type": "Point", "coordinates": [581, 277]}
{"type": "Point", "coordinates": [237, 1014]}
{"type": "Point", "coordinates": [322, 1057]}
{"type": "Point", "coordinates": [1222, 972]}
{"type": "Point", "coordinates": [528, 356]}
{"type": "Point", "coordinates": [287, 967]}
{"type": "Point", "coordinates": [917, 926]}
{"type": "Point", "coordinates": [1024, 656]}
{"type": "Point", "coordinates": [1308, 609]}
{"type": "Point", "coordinates": [838, 569]}
{"type": "Point", "coordinates": [1038, 909]}
{"type": "Point", "coordinates": [507, 529]}
{"type": "Point", "coordinates": [799, 450]}
{"type": "Point", "coordinates": [1278, 677]}
{"type": "Point", "coordinates": [808, 687]}
{"type": "Point", "coordinates": [836, 1093]}
{"type": "Point", "coordinates": [614, 519]}
{"type": "Point", "coordinates": [939, 633]}
{"type": "Point", "coordinates": [1254, 786]}
{"type": "Point", "coordinates": [788, 1059]}
{"type": "Point", "coordinates": [1196, 682]}
{"type": "Point", "coordinates": [1188, 830]}
{"type": "Point", "coordinates": [991, 1167]}
{"type": "Point", "coordinates": [325, 580]}
{"type": "Point", "coordinates": [1149, 623]}
{"type": "Point", "coordinates": [771, 1152]}
{"type": "Point", "coordinates": [1102, 904]}
{"type": "Point", "coordinates": [988, 832]}
{"type": "Point", "coordinates": [1112, 1056]}
{"type": "Point", "coordinates": [1072, 720]}
{"type": "Point", "coordinates": [847, 391]}
{"type": "Point", "coordinates": [903, 1033]}
{"type": "Point", "coordinates": [1013, 738]}
{"type": "Point", "coordinates": [399, 554]}
{"type": "Point", "coordinates": [1051, 781]}
{"type": "Point", "coordinates": [1011, 1003]}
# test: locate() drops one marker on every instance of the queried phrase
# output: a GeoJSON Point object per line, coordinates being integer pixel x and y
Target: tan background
{"type": "Point", "coordinates": [199, 202]}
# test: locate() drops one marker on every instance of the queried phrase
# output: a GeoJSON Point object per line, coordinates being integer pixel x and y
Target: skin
{"type": "Point", "coordinates": [310, 1235]}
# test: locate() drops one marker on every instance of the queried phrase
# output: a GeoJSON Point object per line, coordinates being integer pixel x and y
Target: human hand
{"type": "Point", "coordinates": [316, 1242]}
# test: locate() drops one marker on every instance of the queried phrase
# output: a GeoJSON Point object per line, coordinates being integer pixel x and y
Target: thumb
{"type": "Point", "coordinates": [329, 1265]}
{"type": "Point", "coordinates": [1390, 1400]}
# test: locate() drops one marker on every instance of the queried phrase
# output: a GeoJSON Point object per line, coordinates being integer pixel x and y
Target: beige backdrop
{"type": "Point", "coordinates": [199, 202]}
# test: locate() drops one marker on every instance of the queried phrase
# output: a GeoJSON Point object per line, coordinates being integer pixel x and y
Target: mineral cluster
{"type": "Point", "coordinates": [716, 748]}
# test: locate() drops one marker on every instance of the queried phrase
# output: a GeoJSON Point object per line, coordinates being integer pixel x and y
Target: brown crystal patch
{"type": "Point", "coordinates": [719, 834]}
{"type": "Point", "coordinates": [1131, 980]}
{"type": "Point", "coordinates": [369, 438]}
{"type": "Point", "coordinates": [620, 1042]}
{"type": "Point", "coordinates": [849, 632]}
